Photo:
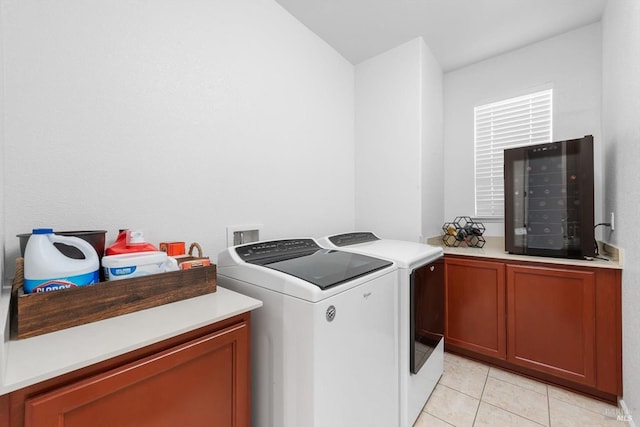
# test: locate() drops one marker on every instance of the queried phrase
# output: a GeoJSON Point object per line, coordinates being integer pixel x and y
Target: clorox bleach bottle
{"type": "Point", "coordinates": [47, 269]}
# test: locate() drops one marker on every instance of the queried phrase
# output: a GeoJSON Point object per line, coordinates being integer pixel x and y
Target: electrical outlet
{"type": "Point", "coordinates": [612, 222]}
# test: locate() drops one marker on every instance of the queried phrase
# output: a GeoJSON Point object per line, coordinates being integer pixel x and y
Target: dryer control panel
{"type": "Point", "coordinates": [352, 238]}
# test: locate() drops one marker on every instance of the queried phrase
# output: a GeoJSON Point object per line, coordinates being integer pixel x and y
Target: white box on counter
{"type": "Point", "coordinates": [135, 264]}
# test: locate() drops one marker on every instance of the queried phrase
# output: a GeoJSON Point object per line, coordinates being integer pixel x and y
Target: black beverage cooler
{"type": "Point", "coordinates": [549, 199]}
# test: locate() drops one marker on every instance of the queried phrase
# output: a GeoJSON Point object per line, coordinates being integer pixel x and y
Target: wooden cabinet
{"type": "Point", "coordinates": [559, 323]}
{"type": "Point", "coordinates": [199, 379]}
{"type": "Point", "coordinates": [474, 306]}
{"type": "Point", "coordinates": [551, 321]}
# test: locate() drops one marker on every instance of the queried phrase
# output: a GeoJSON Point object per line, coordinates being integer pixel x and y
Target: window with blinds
{"type": "Point", "coordinates": [515, 122]}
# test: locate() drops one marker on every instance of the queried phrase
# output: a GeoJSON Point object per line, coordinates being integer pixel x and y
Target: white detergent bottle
{"type": "Point", "coordinates": [47, 269]}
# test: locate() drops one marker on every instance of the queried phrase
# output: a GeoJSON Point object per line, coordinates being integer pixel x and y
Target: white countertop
{"type": "Point", "coordinates": [29, 361]}
{"type": "Point", "coordinates": [494, 248]}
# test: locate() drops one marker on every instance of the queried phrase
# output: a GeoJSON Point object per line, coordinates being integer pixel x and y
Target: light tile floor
{"type": "Point", "coordinates": [471, 394]}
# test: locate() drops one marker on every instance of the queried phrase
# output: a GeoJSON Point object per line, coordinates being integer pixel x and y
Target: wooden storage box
{"type": "Point", "coordinates": [36, 314]}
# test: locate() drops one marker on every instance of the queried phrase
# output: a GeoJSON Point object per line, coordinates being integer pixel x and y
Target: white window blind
{"type": "Point", "coordinates": [515, 122]}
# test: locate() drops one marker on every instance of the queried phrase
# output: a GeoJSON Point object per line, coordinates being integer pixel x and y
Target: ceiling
{"type": "Point", "coordinates": [459, 32]}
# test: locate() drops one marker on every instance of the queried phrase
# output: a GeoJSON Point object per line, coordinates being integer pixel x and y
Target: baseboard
{"type": "Point", "coordinates": [626, 414]}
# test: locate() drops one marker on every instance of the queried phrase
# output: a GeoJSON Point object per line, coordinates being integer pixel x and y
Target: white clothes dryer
{"type": "Point", "coordinates": [421, 331]}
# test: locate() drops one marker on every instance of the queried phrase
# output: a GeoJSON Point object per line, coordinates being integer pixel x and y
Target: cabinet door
{"type": "Point", "coordinates": [551, 321]}
{"type": "Point", "coordinates": [475, 306]}
{"type": "Point", "coordinates": [204, 382]}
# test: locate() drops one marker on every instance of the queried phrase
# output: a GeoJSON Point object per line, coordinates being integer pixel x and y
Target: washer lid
{"type": "Point", "coordinates": [304, 259]}
{"type": "Point", "coordinates": [405, 254]}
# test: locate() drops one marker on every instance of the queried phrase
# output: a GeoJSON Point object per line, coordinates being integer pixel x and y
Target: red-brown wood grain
{"type": "Point", "coordinates": [475, 304]}
{"type": "Point", "coordinates": [562, 323]}
{"type": "Point", "coordinates": [609, 331]}
{"type": "Point", "coordinates": [551, 321]}
{"type": "Point", "coordinates": [201, 377]}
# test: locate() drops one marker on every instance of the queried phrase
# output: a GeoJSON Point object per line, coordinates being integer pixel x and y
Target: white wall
{"type": "Point", "coordinates": [432, 169]}
{"type": "Point", "coordinates": [2, 156]}
{"type": "Point", "coordinates": [621, 132]}
{"type": "Point", "coordinates": [177, 118]}
{"type": "Point", "coordinates": [570, 62]}
{"type": "Point", "coordinates": [393, 117]}
{"type": "Point", "coordinates": [4, 296]}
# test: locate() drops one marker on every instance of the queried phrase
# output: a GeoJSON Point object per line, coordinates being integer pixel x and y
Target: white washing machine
{"type": "Point", "coordinates": [421, 347]}
{"type": "Point", "coordinates": [324, 343]}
